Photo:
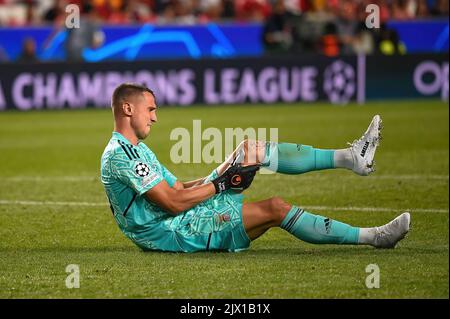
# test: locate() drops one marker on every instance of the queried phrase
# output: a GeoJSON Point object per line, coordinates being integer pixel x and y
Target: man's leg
{"type": "Point", "coordinates": [289, 158]}
{"type": "Point", "coordinates": [258, 217]}
{"type": "Point", "coordinates": [285, 158]}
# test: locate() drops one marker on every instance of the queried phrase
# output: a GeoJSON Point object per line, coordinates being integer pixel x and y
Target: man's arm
{"type": "Point", "coordinates": [237, 155]}
{"type": "Point", "coordinates": [176, 200]}
{"type": "Point", "coordinates": [193, 183]}
{"type": "Point", "coordinates": [183, 185]}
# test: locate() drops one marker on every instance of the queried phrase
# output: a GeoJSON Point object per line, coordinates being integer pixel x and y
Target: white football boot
{"type": "Point", "coordinates": [363, 150]}
{"type": "Point", "coordinates": [389, 235]}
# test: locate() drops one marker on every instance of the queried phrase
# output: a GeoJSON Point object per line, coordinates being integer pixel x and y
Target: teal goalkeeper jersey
{"type": "Point", "coordinates": [127, 172]}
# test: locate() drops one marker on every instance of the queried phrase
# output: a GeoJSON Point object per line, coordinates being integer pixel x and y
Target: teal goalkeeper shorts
{"type": "Point", "coordinates": [213, 225]}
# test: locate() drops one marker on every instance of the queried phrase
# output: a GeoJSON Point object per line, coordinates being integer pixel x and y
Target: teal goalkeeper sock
{"type": "Point", "coordinates": [316, 229]}
{"type": "Point", "coordinates": [288, 158]}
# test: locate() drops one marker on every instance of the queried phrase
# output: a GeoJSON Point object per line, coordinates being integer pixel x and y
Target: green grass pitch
{"type": "Point", "coordinates": [53, 209]}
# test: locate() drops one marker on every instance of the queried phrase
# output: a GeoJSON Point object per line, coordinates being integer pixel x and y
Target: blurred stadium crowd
{"type": "Point", "coordinates": [338, 27]}
{"type": "Point", "coordinates": [33, 12]}
{"type": "Point", "coordinates": [329, 27]}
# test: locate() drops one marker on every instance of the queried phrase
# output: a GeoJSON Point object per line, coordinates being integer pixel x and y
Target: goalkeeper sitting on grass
{"type": "Point", "coordinates": [158, 212]}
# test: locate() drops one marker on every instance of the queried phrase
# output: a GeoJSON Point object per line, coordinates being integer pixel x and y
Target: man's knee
{"type": "Point", "coordinates": [254, 150]}
{"type": "Point", "coordinates": [278, 208]}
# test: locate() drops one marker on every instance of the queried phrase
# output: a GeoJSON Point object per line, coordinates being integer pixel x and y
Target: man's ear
{"type": "Point", "coordinates": [127, 108]}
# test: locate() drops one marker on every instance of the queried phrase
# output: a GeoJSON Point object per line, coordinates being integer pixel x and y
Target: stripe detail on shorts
{"type": "Point", "coordinates": [209, 241]}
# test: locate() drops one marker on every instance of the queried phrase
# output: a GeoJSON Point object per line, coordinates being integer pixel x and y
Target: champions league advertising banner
{"type": "Point", "coordinates": [229, 81]}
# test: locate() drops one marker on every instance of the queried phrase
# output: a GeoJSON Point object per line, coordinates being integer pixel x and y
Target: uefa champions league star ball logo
{"type": "Point", "coordinates": [339, 82]}
{"type": "Point", "coordinates": [141, 169]}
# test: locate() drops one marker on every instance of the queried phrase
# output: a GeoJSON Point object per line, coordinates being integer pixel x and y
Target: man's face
{"type": "Point", "coordinates": [144, 115]}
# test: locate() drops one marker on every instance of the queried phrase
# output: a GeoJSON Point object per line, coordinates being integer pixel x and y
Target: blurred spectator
{"type": "Point", "coordinates": [277, 33]}
{"type": "Point", "coordinates": [55, 12]}
{"type": "Point", "coordinates": [308, 30]}
{"type": "Point", "coordinates": [360, 10]}
{"type": "Point", "coordinates": [388, 42]}
{"type": "Point", "coordinates": [403, 9]}
{"type": "Point", "coordinates": [364, 42]}
{"type": "Point", "coordinates": [347, 26]}
{"type": "Point", "coordinates": [440, 8]}
{"type": "Point", "coordinates": [178, 12]}
{"type": "Point", "coordinates": [140, 11]}
{"type": "Point", "coordinates": [160, 5]}
{"type": "Point", "coordinates": [252, 10]}
{"type": "Point", "coordinates": [28, 54]}
{"type": "Point", "coordinates": [210, 10]}
{"type": "Point", "coordinates": [385, 13]}
{"type": "Point", "coordinates": [118, 13]}
{"type": "Point", "coordinates": [228, 11]}
{"type": "Point", "coordinates": [102, 8]}
{"type": "Point", "coordinates": [318, 5]}
{"type": "Point", "coordinates": [422, 9]}
{"type": "Point", "coordinates": [30, 16]}
{"type": "Point", "coordinates": [329, 43]}
{"type": "Point", "coordinates": [88, 35]}
{"type": "Point", "coordinates": [3, 55]}
{"type": "Point", "coordinates": [295, 7]}
{"type": "Point", "coordinates": [19, 12]}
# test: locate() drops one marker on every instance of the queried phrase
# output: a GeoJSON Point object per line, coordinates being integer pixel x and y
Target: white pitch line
{"type": "Point", "coordinates": [50, 178]}
{"type": "Point", "coordinates": [409, 176]}
{"type": "Point", "coordinates": [371, 177]}
{"type": "Point", "coordinates": [329, 208]}
{"type": "Point", "coordinates": [275, 176]}
{"type": "Point", "coordinates": [379, 209]}
{"type": "Point", "coordinates": [48, 203]}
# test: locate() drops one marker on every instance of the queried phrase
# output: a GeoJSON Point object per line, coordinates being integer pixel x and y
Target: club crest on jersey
{"type": "Point", "coordinates": [141, 169]}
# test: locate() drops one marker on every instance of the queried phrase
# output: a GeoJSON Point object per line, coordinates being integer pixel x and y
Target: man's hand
{"type": "Point", "coordinates": [236, 177]}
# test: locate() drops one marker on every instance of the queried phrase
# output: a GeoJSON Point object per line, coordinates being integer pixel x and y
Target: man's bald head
{"type": "Point", "coordinates": [126, 93]}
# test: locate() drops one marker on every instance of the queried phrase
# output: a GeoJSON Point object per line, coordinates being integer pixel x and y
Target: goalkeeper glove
{"type": "Point", "coordinates": [236, 177]}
